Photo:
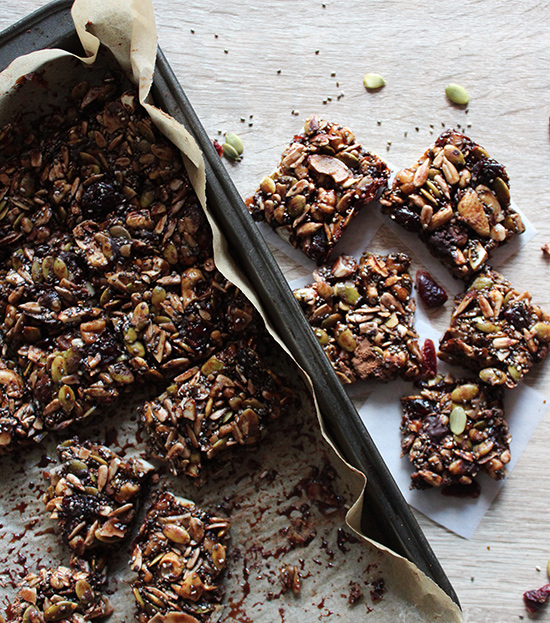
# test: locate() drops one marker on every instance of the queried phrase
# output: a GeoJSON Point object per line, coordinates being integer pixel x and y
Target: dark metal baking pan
{"type": "Point", "coordinates": [389, 518]}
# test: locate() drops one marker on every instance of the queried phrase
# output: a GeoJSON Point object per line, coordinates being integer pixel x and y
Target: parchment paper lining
{"type": "Point", "coordinates": [128, 30]}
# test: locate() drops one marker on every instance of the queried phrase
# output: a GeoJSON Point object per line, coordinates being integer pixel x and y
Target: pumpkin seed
{"type": "Point", "coordinates": [464, 393]}
{"type": "Point", "coordinates": [457, 94]}
{"type": "Point", "coordinates": [492, 376]}
{"type": "Point", "coordinates": [542, 329]}
{"type": "Point", "coordinates": [373, 81]}
{"type": "Point", "coordinates": [235, 141]}
{"type": "Point", "coordinates": [457, 421]}
{"type": "Point", "coordinates": [346, 340]}
{"type": "Point", "coordinates": [322, 336]}
{"type": "Point", "coordinates": [230, 152]}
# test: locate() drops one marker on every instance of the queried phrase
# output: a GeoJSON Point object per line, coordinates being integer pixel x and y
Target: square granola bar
{"type": "Point", "coordinates": [323, 179]}
{"type": "Point", "coordinates": [496, 331]}
{"type": "Point", "coordinates": [452, 430]}
{"type": "Point", "coordinates": [94, 494]}
{"type": "Point", "coordinates": [69, 594]}
{"type": "Point", "coordinates": [226, 402]}
{"type": "Point", "coordinates": [179, 556]}
{"type": "Point", "coordinates": [362, 313]}
{"type": "Point", "coordinates": [457, 199]}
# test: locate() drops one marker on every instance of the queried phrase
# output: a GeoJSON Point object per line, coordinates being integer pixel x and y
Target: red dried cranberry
{"type": "Point", "coordinates": [407, 219]}
{"type": "Point", "coordinates": [431, 293]}
{"type": "Point", "coordinates": [430, 359]}
{"type": "Point", "coordinates": [518, 317]}
{"type": "Point", "coordinates": [535, 600]}
{"type": "Point", "coordinates": [420, 407]}
{"type": "Point", "coordinates": [217, 147]}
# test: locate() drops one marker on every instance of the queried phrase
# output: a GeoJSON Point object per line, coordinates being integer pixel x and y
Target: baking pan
{"type": "Point", "coordinates": [389, 518]}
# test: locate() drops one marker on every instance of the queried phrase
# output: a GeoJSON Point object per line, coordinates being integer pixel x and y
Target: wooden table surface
{"type": "Point", "coordinates": [260, 68]}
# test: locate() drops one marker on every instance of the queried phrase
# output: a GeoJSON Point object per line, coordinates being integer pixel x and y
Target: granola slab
{"type": "Point", "coordinates": [228, 401]}
{"type": "Point", "coordinates": [179, 556]}
{"type": "Point", "coordinates": [72, 594]}
{"type": "Point", "coordinates": [496, 331]}
{"type": "Point", "coordinates": [323, 179]}
{"type": "Point", "coordinates": [457, 198]}
{"type": "Point", "coordinates": [94, 494]}
{"type": "Point", "coordinates": [452, 430]}
{"type": "Point", "coordinates": [362, 314]}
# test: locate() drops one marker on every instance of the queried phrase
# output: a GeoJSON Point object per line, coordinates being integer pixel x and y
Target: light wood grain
{"type": "Point", "coordinates": [227, 56]}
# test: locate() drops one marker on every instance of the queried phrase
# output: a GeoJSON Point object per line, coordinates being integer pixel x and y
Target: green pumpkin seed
{"type": "Point", "coordinates": [235, 141]}
{"type": "Point", "coordinates": [457, 421]}
{"type": "Point", "coordinates": [58, 368]}
{"type": "Point", "coordinates": [464, 393]}
{"type": "Point", "coordinates": [482, 282]}
{"type": "Point", "coordinates": [211, 366]}
{"type": "Point", "coordinates": [59, 611]}
{"type": "Point", "coordinates": [457, 94]}
{"type": "Point", "coordinates": [67, 398]}
{"type": "Point", "coordinates": [502, 191]}
{"type": "Point", "coordinates": [542, 329]}
{"type": "Point", "coordinates": [60, 269]}
{"type": "Point", "coordinates": [296, 205]}
{"type": "Point", "coordinates": [515, 373]}
{"type": "Point", "coordinates": [83, 591]}
{"type": "Point", "coordinates": [346, 340]}
{"type": "Point", "coordinates": [136, 349]}
{"type": "Point", "coordinates": [158, 296]}
{"type": "Point", "coordinates": [268, 185]}
{"type": "Point", "coordinates": [492, 376]}
{"type": "Point", "coordinates": [322, 336]}
{"type": "Point", "coordinates": [230, 152]}
{"type": "Point", "coordinates": [373, 81]}
{"type": "Point", "coordinates": [486, 327]}
{"type": "Point", "coordinates": [347, 293]}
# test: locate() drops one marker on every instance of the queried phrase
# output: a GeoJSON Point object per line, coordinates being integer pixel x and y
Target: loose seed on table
{"type": "Point", "coordinates": [457, 94]}
{"type": "Point", "coordinates": [373, 81]}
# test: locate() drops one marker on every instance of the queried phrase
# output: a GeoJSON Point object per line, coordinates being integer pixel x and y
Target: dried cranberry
{"type": "Point", "coordinates": [434, 427]}
{"type": "Point", "coordinates": [431, 293]}
{"type": "Point", "coordinates": [419, 407]}
{"type": "Point", "coordinates": [407, 219]}
{"type": "Point", "coordinates": [217, 147]}
{"type": "Point", "coordinates": [485, 171]}
{"type": "Point", "coordinates": [518, 317]}
{"type": "Point", "coordinates": [101, 198]}
{"type": "Point", "coordinates": [430, 359]}
{"type": "Point", "coordinates": [535, 600]}
{"type": "Point", "coordinates": [317, 249]}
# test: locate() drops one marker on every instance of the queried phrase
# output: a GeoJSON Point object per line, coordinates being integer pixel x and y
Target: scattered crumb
{"type": "Point", "coordinates": [291, 579]}
{"type": "Point", "coordinates": [545, 250]}
{"type": "Point", "coordinates": [377, 591]}
{"type": "Point", "coordinates": [355, 593]}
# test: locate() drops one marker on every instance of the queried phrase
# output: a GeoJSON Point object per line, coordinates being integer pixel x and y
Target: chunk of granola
{"type": "Point", "coordinates": [94, 495]}
{"type": "Point", "coordinates": [179, 556]}
{"type": "Point", "coordinates": [452, 430]}
{"type": "Point", "coordinates": [323, 179]}
{"type": "Point", "coordinates": [458, 199]}
{"type": "Point", "coordinates": [226, 402]}
{"type": "Point", "coordinates": [64, 594]}
{"type": "Point", "coordinates": [362, 313]}
{"type": "Point", "coordinates": [496, 331]}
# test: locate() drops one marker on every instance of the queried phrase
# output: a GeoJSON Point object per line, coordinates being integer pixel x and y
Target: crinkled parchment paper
{"type": "Point", "coordinates": [293, 488]}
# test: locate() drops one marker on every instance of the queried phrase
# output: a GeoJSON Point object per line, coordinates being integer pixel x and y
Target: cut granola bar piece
{"type": "Point", "coordinates": [179, 556]}
{"type": "Point", "coordinates": [452, 430]}
{"type": "Point", "coordinates": [496, 331]}
{"type": "Point", "coordinates": [72, 374]}
{"type": "Point", "coordinates": [64, 594]}
{"type": "Point", "coordinates": [94, 494]}
{"type": "Point", "coordinates": [226, 402]}
{"type": "Point", "coordinates": [323, 179]}
{"type": "Point", "coordinates": [181, 318]}
{"type": "Point", "coordinates": [362, 313]}
{"type": "Point", "coordinates": [458, 199]}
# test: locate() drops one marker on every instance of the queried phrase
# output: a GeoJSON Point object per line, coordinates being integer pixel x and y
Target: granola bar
{"type": "Point", "coordinates": [452, 430]}
{"type": "Point", "coordinates": [496, 331]}
{"type": "Point", "coordinates": [323, 179]}
{"type": "Point", "coordinates": [179, 556]}
{"type": "Point", "coordinates": [61, 594]}
{"type": "Point", "coordinates": [226, 402]}
{"type": "Point", "coordinates": [362, 313]}
{"type": "Point", "coordinates": [458, 199]}
{"type": "Point", "coordinates": [94, 494]}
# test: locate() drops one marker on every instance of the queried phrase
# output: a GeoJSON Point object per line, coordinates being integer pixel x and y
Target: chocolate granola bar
{"type": "Point", "coordinates": [496, 331]}
{"type": "Point", "coordinates": [323, 179]}
{"type": "Point", "coordinates": [94, 494]}
{"type": "Point", "coordinates": [226, 402]}
{"type": "Point", "coordinates": [72, 595]}
{"type": "Point", "coordinates": [452, 430]}
{"type": "Point", "coordinates": [362, 313]}
{"type": "Point", "coordinates": [179, 556]}
{"type": "Point", "coordinates": [458, 199]}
